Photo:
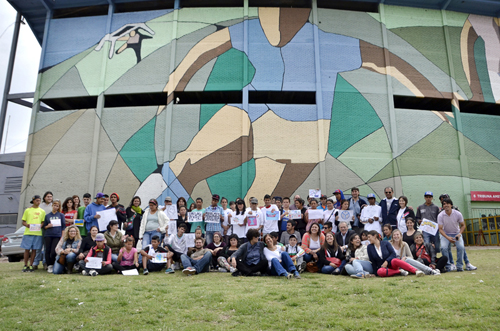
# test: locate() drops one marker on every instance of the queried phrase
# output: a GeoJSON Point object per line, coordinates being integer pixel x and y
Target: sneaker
{"type": "Point", "coordinates": [369, 275]}
{"type": "Point", "coordinates": [460, 269]}
{"type": "Point", "coordinates": [453, 267]}
{"type": "Point", "coordinates": [236, 273]}
{"type": "Point", "coordinates": [336, 271]}
{"type": "Point", "coordinates": [403, 272]}
{"type": "Point", "coordinates": [255, 274]}
{"type": "Point", "coordinates": [470, 267]}
{"type": "Point", "coordinates": [45, 266]}
{"type": "Point", "coordinates": [50, 269]}
{"type": "Point", "coordinates": [25, 268]}
{"type": "Point", "coordinates": [31, 269]}
{"type": "Point", "coordinates": [222, 270]}
{"type": "Point", "coordinates": [221, 263]}
{"type": "Point", "coordinates": [169, 271]}
{"type": "Point", "coordinates": [35, 267]}
{"type": "Point", "coordinates": [435, 272]}
{"type": "Point", "coordinates": [189, 271]}
{"type": "Point", "coordinates": [232, 270]}
{"type": "Point", "coordinates": [288, 275]}
{"type": "Point", "coordinates": [145, 272]}
{"type": "Point", "coordinates": [85, 273]}
{"type": "Point", "coordinates": [296, 274]}
{"type": "Point", "coordinates": [358, 276]}
{"type": "Point", "coordinates": [302, 267]}
{"type": "Point", "coordinates": [177, 266]}
{"type": "Point", "coordinates": [92, 273]}
{"type": "Point", "coordinates": [419, 273]}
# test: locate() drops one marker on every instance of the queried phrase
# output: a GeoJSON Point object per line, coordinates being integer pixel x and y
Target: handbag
{"type": "Point", "coordinates": [62, 259]}
{"type": "Point", "coordinates": [312, 267]}
{"type": "Point", "coordinates": [334, 260]}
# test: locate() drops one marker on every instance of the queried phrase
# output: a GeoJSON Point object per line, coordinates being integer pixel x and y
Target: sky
{"type": "Point", "coordinates": [24, 77]}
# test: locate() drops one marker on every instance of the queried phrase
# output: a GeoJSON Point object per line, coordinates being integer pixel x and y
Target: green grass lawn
{"type": "Point", "coordinates": [218, 301]}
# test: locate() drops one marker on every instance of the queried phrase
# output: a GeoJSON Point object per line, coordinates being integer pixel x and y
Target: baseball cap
{"type": "Point", "coordinates": [35, 197]}
{"type": "Point", "coordinates": [292, 236]}
{"type": "Point", "coordinates": [371, 196]}
{"type": "Point", "coordinates": [99, 237]}
{"type": "Point", "coordinates": [337, 191]}
{"type": "Point", "coordinates": [254, 200]}
{"type": "Point", "coordinates": [428, 193]}
{"type": "Point", "coordinates": [168, 199]}
{"type": "Point", "coordinates": [99, 195]}
{"type": "Point", "coordinates": [216, 197]}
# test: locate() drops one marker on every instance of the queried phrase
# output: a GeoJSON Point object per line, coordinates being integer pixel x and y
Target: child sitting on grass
{"type": "Point", "coordinates": [127, 257]}
{"type": "Point", "coordinates": [148, 253]}
{"type": "Point", "coordinates": [102, 251]}
{"type": "Point", "coordinates": [296, 253]}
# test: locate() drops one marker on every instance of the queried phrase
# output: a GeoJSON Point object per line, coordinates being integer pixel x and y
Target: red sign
{"type": "Point", "coordinates": [484, 196]}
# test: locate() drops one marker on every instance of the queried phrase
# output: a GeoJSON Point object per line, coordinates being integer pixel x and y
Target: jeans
{"type": "Point", "coordinates": [200, 265]}
{"type": "Point", "coordinates": [114, 258]}
{"type": "Point", "coordinates": [466, 258]}
{"type": "Point", "coordinates": [146, 237]}
{"type": "Point", "coordinates": [327, 269]}
{"type": "Point", "coordinates": [59, 268]}
{"type": "Point", "coordinates": [445, 250]}
{"type": "Point", "coordinates": [359, 267]}
{"type": "Point", "coordinates": [282, 268]}
{"type": "Point", "coordinates": [428, 238]}
{"type": "Point", "coordinates": [419, 266]}
{"type": "Point", "coordinates": [308, 257]}
{"type": "Point", "coordinates": [39, 256]}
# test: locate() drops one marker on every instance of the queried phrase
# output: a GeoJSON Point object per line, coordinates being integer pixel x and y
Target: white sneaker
{"type": "Point", "coordinates": [470, 267]}
{"type": "Point", "coordinates": [176, 266]}
{"type": "Point", "coordinates": [50, 269]}
{"type": "Point", "coordinates": [85, 273]}
{"type": "Point", "coordinates": [231, 269]}
{"type": "Point", "coordinates": [403, 272]}
{"type": "Point", "coordinates": [435, 272]}
{"type": "Point", "coordinates": [453, 267]}
{"type": "Point", "coordinates": [419, 273]}
{"type": "Point", "coordinates": [92, 273]}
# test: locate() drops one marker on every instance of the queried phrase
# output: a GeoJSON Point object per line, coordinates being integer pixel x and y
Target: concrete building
{"type": "Point", "coordinates": [244, 98]}
{"type": "Point", "coordinates": [11, 176]}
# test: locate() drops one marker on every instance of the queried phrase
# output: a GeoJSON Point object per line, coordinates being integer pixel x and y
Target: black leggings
{"type": "Point", "coordinates": [50, 249]}
{"type": "Point", "coordinates": [440, 263]}
{"type": "Point", "coordinates": [120, 268]}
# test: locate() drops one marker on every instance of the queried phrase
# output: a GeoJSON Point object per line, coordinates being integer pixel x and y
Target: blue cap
{"type": "Point", "coordinates": [428, 193]}
{"type": "Point", "coordinates": [371, 195]}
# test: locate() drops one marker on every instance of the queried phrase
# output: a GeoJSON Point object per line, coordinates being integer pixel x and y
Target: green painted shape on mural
{"type": "Point", "coordinates": [227, 74]}
{"type": "Point", "coordinates": [483, 130]}
{"type": "Point", "coordinates": [139, 151]}
{"type": "Point", "coordinates": [228, 183]}
{"type": "Point", "coordinates": [369, 155]}
{"type": "Point", "coordinates": [210, 15]}
{"type": "Point", "coordinates": [482, 69]}
{"type": "Point", "coordinates": [482, 165]}
{"type": "Point", "coordinates": [353, 118]}
{"type": "Point", "coordinates": [399, 16]}
{"type": "Point", "coordinates": [51, 76]}
{"type": "Point", "coordinates": [430, 41]}
{"type": "Point", "coordinates": [207, 111]}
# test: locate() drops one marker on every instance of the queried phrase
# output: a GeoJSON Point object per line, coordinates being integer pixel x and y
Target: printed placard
{"type": "Point", "coordinates": [189, 239]}
{"type": "Point", "coordinates": [80, 223]}
{"type": "Point", "coordinates": [172, 227]}
{"type": "Point", "coordinates": [94, 263]}
{"type": "Point", "coordinates": [272, 215]}
{"type": "Point", "coordinates": [159, 258]}
{"type": "Point", "coordinates": [238, 219]}
{"type": "Point", "coordinates": [55, 221]}
{"type": "Point", "coordinates": [295, 214]}
{"type": "Point", "coordinates": [315, 214]}
{"type": "Point", "coordinates": [314, 193]}
{"type": "Point", "coordinates": [171, 211]}
{"type": "Point", "coordinates": [35, 227]}
{"type": "Point", "coordinates": [429, 226]}
{"type": "Point", "coordinates": [195, 216]}
{"type": "Point", "coordinates": [251, 220]}
{"type": "Point", "coordinates": [211, 217]}
{"type": "Point", "coordinates": [346, 216]}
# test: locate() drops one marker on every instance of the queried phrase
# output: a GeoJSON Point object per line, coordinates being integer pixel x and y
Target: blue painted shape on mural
{"type": "Point", "coordinates": [298, 56]}
{"type": "Point", "coordinates": [166, 193]}
{"type": "Point", "coordinates": [296, 113]}
{"type": "Point", "coordinates": [264, 57]}
{"type": "Point", "coordinates": [256, 110]}
{"type": "Point", "coordinates": [178, 189]}
{"type": "Point", "coordinates": [121, 19]}
{"type": "Point", "coordinates": [167, 173]}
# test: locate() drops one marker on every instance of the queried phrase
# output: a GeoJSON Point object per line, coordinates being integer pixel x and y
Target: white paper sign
{"type": "Point", "coordinates": [131, 272]}
{"type": "Point", "coordinates": [172, 227]}
{"type": "Point", "coordinates": [189, 239]}
{"type": "Point", "coordinates": [211, 217]}
{"type": "Point", "coordinates": [159, 258]}
{"type": "Point", "coordinates": [238, 219]}
{"type": "Point", "coordinates": [346, 216]}
{"type": "Point", "coordinates": [315, 214]}
{"type": "Point", "coordinates": [55, 221]}
{"type": "Point", "coordinates": [313, 193]}
{"type": "Point", "coordinates": [295, 214]}
{"type": "Point", "coordinates": [171, 211]}
{"type": "Point", "coordinates": [107, 216]}
{"type": "Point", "coordinates": [195, 216]}
{"type": "Point", "coordinates": [35, 227]}
{"type": "Point", "coordinates": [429, 226]}
{"type": "Point", "coordinates": [94, 263]}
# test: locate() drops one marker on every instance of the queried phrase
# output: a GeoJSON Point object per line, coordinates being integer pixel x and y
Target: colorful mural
{"type": "Point", "coordinates": [352, 136]}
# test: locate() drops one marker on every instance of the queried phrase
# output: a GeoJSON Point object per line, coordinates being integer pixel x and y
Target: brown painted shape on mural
{"type": "Point", "coordinates": [226, 158]}
{"type": "Point", "coordinates": [292, 177]}
{"type": "Point", "coordinates": [368, 55]}
{"type": "Point", "coordinates": [291, 21]}
{"type": "Point", "coordinates": [475, 84]}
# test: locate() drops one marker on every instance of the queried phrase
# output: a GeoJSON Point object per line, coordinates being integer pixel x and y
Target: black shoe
{"type": "Point", "coordinates": [255, 274]}
{"type": "Point", "coordinates": [336, 271]}
{"type": "Point", "coordinates": [236, 273]}
{"type": "Point", "coordinates": [25, 268]}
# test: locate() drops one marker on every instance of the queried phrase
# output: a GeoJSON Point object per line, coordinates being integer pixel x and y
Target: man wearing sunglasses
{"type": "Point", "coordinates": [390, 207]}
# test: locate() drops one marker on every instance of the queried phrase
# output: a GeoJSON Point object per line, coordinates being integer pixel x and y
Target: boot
{"type": "Point", "coordinates": [69, 268]}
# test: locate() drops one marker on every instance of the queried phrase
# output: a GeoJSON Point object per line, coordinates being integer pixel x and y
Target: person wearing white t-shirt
{"type": "Point", "coordinates": [269, 225]}
{"type": "Point", "coordinates": [254, 217]}
{"type": "Point", "coordinates": [239, 221]}
{"type": "Point", "coordinates": [329, 214]}
{"type": "Point", "coordinates": [226, 224]}
{"type": "Point", "coordinates": [371, 215]}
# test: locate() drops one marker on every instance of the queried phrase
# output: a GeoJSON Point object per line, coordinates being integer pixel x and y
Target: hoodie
{"type": "Point", "coordinates": [89, 214]}
{"type": "Point", "coordinates": [337, 204]}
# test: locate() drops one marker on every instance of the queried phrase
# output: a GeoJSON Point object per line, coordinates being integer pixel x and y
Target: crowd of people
{"type": "Point", "coordinates": [281, 238]}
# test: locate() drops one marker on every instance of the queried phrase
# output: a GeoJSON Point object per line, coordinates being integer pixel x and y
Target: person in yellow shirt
{"type": "Point", "coordinates": [33, 218]}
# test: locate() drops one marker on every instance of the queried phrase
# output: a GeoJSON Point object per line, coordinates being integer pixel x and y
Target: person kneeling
{"type": "Point", "coordinates": [199, 261]}
{"type": "Point", "coordinates": [280, 263]}
{"type": "Point", "coordinates": [249, 259]}
{"type": "Point", "coordinates": [148, 254]}
{"type": "Point", "coordinates": [102, 251]}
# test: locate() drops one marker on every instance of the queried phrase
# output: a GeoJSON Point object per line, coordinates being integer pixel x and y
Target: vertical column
{"type": "Point", "coordinates": [244, 145]}
{"type": "Point", "coordinates": [464, 165]}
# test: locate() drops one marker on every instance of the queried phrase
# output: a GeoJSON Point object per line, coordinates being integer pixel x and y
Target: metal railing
{"type": "Point", "coordinates": [484, 231]}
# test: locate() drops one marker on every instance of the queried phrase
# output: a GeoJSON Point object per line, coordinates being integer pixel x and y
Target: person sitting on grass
{"type": "Point", "coordinates": [102, 251]}
{"type": "Point", "coordinates": [383, 258]}
{"type": "Point", "coordinates": [279, 262]}
{"type": "Point", "coordinates": [216, 247]}
{"type": "Point", "coordinates": [114, 239]}
{"type": "Point", "coordinates": [249, 259]}
{"type": "Point", "coordinates": [296, 253]}
{"type": "Point", "coordinates": [312, 242]}
{"type": "Point", "coordinates": [198, 234]}
{"type": "Point", "coordinates": [66, 250]}
{"type": "Point", "coordinates": [127, 257]}
{"type": "Point", "coordinates": [87, 243]}
{"type": "Point", "coordinates": [148, 254]}
{"type": "Point", "coordinates": [176, 245]}
{"type": "Point", "coordinates": [359, 265]}
{"type": "Point", "coordinates": [330, 256]}
{"type": "Point", "coordinates": [403, 253]}
{"type": "Point", "coordinates": [224, 259]}
{"type": "Point", "coordinates": [199, 261]}
{"type": "Point", "coordinates": [426, 254]}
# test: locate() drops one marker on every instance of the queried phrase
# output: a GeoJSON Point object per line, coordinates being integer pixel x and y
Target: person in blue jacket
{"type": "Point", "coordinates": [90, 215]}
{"type": "Point", "coordinates": [339, 195]}
{"type": "Point", "coordinates": [383, 258]}
{"type": "Point", "coordinates": [390, 208]}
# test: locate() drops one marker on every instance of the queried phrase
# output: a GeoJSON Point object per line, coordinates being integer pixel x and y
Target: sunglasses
{"type": "Point", "coordinates": [387, 192]}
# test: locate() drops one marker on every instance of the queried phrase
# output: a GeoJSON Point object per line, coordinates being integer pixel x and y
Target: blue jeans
{"type": "Point", "coordinates": [359, 267]}
{"type": "Point", "coordinates": [146, 237]}
{"type": "Point", "coordinates": [59, 268]}
{"type": "Point", "coordinates": [446, 251]}
{"type": "Point", "coordinates": [327, 269]}
{"type": "Point", "coordinates": [114, 258]}
{"type": "Point", "coordinates": [308, 257]}
{"type": "Point", "coordinates": [282, 268]}
{"type": "Point", "coordinates": [428, 238]}
{"type": "Point", "coordinates": [200, 265]}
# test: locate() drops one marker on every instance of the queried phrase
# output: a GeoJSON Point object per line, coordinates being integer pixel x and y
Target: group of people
{"type": "Point", "coordinates": [377, 240]}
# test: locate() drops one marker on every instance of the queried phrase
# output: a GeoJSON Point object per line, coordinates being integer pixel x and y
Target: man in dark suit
{"type": "Point", "coordinates": [342, 237]}
{"type": "Point", "coordinates": [390, 207]}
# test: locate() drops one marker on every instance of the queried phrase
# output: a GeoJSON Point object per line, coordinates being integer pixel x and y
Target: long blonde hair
{"type": "Point", "coordinates": [66, 233]}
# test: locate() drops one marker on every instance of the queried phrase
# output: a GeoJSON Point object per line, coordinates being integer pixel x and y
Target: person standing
{"type": "Point", "coordinates": [390, 207]}
{"type": "Point", "coordinates": [121, 214]}
{"type": "Point", "coordinates": [33, 218]}
{"type": "Point", "coordinates": [46, 205]}
{"type": "Point", "coordinates": [429, 211]}
{"type": "Point", "coordinates": [404, 213]}
{"type": "Point", "coordinates": [134, 216]}
{"type": "Point", "coordinates": [356, 204]}
{"type": "Point", "coordinates": [91, 217]}
{"type": "Point", "coordinates": [212, 228]}
{"type": "Point", "coordinates": [451, 226]}
{"type": "Point", "coordinates": [153, 223]}
{"type": "Point", "coordinates": [371, 216]}
{"type": "Point", "coordinates": [81, 212]}
{"type": "Point", "coordinates": [199, 209]}
{"type": "Point", "coordinates": [54, 226]}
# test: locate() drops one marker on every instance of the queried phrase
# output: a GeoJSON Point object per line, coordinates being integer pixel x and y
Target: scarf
{"type": "Point", "coordinates": [137, 209]}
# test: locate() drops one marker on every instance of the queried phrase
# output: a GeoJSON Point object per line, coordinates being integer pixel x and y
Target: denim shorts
{"type": "Point", "coordinates": [31, 242]}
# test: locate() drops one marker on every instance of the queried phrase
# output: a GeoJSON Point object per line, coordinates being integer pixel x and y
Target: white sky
{"type": "Point", "coordinates": [24, 77]}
